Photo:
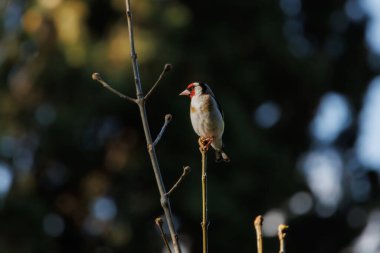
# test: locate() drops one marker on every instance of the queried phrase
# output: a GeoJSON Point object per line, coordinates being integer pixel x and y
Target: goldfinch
{"type": "Point", "coordinates": [206, 117]}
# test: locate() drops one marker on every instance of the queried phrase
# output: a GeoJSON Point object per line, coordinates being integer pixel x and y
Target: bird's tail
{"type": "Point", "coordinates": [220, 155]}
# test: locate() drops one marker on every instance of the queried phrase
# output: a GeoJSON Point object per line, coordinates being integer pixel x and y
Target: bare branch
{"type": "Point", "coordinates": [159, 222]}
{"type": "Point", "coordinates": [165, 203]}
{"type": "Point", "coordinates": [186, 171]}
{"type": "Point", "coordinates": [282, 228]}
{"type": "Point", "coordinates": [97, 77]}
{"type": "Point", "coordinates": [168, 118]}
{"type": "Point", "coordinates": [258, 223]}
{"type": "Point", "coordinates": [140, 101]}
{"type": "Point", "coordinates": [166, 69]}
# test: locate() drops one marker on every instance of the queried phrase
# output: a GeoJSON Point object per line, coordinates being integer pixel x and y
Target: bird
{"type": "Point", "coordinates": [207, 118]}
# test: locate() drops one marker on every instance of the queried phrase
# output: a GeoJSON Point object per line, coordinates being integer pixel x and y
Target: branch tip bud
{"type": "Point", "coordinates": [159, 221]}
{"type": "Point", "coordinates": [96, 76]}
{"type": "Point", "coordinates": [168, 67]}
{"type": "Point", "coordinates": [186, 170]}
{"type": "Point", "coordinates": [258, 221]}
{"type": "Point", "coordinates": [168, 117]}
{"type": "Point", "coordinates": [282, 228]}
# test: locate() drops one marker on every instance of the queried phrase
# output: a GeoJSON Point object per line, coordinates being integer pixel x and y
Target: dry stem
{"type": "Point", "coordinates": [258, 223]}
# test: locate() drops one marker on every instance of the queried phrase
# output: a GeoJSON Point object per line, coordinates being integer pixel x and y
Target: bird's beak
{"type": "Point", "coordinates": [184, 93]}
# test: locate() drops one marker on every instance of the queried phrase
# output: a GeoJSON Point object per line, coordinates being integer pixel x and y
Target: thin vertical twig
{"type": "Point", "coordinates": [258, 223]}
{"type": "Point", "coordinates": [164, 199]}
{"type": "Point", "coordinates": [205, 221]}
{"type": "Point", "coordinates": [282, 228]}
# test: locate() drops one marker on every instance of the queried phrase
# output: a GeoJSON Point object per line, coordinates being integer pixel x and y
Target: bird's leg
{"type": "Point", "coordinates": [200, 142]}
{"type": "Point", "coordinates": [208, 142]}
{"type": "Point", "coordinates": [205, 142]}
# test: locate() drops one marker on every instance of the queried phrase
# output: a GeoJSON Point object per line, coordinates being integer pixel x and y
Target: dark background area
{"type": "Point", "coordinates": [295, 80]}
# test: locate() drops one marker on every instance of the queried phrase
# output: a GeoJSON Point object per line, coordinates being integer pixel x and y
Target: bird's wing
{"type": "Point", "coordinates": [218, 105]}
{"type": "Point", "coordinates": [209, 91]}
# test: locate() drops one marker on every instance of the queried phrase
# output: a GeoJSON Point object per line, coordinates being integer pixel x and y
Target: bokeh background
{"type": "Point", "coordinates": [298, 83]}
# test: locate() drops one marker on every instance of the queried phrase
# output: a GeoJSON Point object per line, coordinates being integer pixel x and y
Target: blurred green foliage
{"type": "Point", "coordinates": [80, 176]}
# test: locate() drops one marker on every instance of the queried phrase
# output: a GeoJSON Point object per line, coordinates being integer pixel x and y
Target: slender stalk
{"type": "Point", "coordinates": [165, 203]}
{"type": "Point", "coordinates": [281, 236]}
{"type": "Point", "coordinates": [258, 223]}
{"type": "Point", "coordinates": [204, 223]}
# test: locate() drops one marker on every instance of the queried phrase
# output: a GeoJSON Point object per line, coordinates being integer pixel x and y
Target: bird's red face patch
{"type": "Point", "coordinates": [190, 86]}
{"type": "Point", "coordinates": [191, 89]}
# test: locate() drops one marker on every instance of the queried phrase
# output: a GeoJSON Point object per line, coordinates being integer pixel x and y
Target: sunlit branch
{"type": "Point", "coordinates": [258, 223]}
{"type": "Point", "coordinates": [203, 148]}
{"type": "Point", "coordinates": [186, 171]}
{"type": "Point", "coordinates": [159, 222]}
{"type": "Point", "coordinates": [166, 69]}
{"type": "Point", "coordinates": [282, 228]}
{"type": "Point", "coordinates": [97, 77]}
{"type": "Point", "coordinates": [168, 118]}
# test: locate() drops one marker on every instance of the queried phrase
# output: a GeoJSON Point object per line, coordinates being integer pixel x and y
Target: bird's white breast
{"type": "Point", "coordinates": [205, 116]}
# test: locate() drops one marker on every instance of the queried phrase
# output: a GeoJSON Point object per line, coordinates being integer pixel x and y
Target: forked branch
{"type": "Point", "coordinates": [164, 199]}
{"type": "Point", "coordinates": [140, 101]}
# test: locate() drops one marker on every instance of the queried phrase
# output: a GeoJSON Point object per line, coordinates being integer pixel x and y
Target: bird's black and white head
{"type": "Point", "coordinates": [196, 89]}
